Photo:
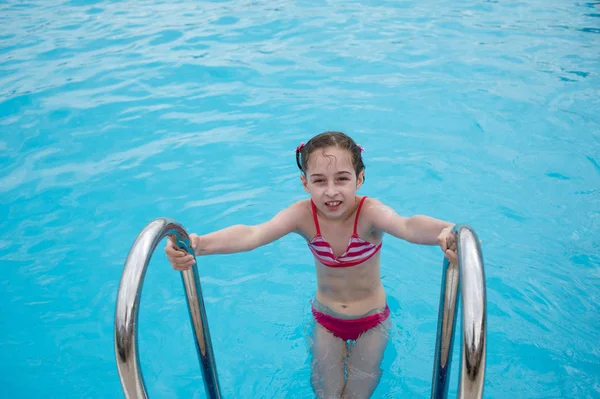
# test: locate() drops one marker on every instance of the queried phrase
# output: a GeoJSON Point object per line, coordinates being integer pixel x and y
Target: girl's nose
{"type": "Point", "coordinates": [331, 190]}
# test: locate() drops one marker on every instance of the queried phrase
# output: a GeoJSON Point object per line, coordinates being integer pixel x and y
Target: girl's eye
{"type": "Point", "coordinates": [343, 178]}
{"type": "Point", "coordinates": [319, 181]}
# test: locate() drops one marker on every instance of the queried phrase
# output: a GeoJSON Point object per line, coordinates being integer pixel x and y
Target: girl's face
{"type": "Point", "coordinates": [331, 181]}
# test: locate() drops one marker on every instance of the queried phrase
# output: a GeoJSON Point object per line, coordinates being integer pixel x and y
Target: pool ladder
{"type": "Point", "coordinates": [128, 301]}
{"type": "Point", "coordinates": [469, 274]}
{"type": "Point", "coordinates": [472, 279]}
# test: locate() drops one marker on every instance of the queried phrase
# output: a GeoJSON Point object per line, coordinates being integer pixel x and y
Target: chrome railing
{"type": "Point", "coordinates": [126, 317]}
{"type": "Point", "coordinates": [469, 274]}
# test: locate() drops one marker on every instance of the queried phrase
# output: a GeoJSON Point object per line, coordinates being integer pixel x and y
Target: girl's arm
{"type": "Point", "coordinates": [418, 229]}
{"type": "Point", "coordinates": [238, 238]}
{"type": "Point", "coordinates": [241, 238]}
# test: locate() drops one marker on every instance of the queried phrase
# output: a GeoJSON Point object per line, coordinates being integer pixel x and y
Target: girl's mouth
{"type": "Point", "coordinates": [333, 205]}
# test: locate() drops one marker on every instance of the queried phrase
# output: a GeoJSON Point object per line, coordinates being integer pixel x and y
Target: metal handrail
{"type": "Point", "coordinates": [470, 274]}
{"type": "Point", "coordinates": [126, 317]}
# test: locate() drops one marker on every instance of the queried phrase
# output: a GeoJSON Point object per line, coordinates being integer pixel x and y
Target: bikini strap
{"type": "Point", "coordinates": [357, 213]}
{"type": "Point", "coordinates": [314, 212]}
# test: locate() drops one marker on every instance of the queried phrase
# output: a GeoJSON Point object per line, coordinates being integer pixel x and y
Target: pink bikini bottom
{"type": "Point", "coordinates": [350, 329]}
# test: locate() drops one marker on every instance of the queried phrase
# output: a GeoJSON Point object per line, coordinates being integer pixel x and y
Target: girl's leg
{"type": "Point", "coordinates": [364, 362]}
{"type": "Point", "coordinates": [328, 356]}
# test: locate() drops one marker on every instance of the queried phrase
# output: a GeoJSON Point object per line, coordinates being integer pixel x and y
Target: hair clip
{"type": "Point", "coordinates": [298, 149]}
{"type": "Point", "coordinates": [361, 149]}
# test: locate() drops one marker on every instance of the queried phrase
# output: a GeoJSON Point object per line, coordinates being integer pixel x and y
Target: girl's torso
{"type": "Point", "coordinates": [351, 290]}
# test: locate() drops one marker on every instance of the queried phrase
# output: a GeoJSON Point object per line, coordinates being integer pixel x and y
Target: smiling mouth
{"type": "Point", "coordinates": [333, 204]}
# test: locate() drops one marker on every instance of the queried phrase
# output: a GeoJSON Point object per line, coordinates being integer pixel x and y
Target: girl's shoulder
{"type": "Point", "coordinates": [301, 208]}
{"type": "Point", "coordinates": [374, 209]}
{"type": "Point", "coordinates": [372, 205]}
{"type": "Point", "coordinates": [302, 214]}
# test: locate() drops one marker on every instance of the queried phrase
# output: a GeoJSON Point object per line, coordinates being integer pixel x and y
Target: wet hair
{"type": "Point", "coordinates": [329, 139]}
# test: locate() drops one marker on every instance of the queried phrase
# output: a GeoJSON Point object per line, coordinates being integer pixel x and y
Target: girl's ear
{"type": "Point", "coordinates": [360, 179]}
{"type": "Point", "coordinates": [304, 182]}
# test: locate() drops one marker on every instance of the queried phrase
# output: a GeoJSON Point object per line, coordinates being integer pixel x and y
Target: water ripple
{"type": "Point", "coordinates": [114, 113]}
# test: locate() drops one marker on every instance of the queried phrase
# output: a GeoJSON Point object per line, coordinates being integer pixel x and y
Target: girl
{"type": "Point", "coordinates": [344, 233]}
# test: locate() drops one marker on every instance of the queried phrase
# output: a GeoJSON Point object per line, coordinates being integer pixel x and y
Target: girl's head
{"type": "Point", "coordinates": [330, 139]}
{"type": "Point", "coordinates": [332, 170]}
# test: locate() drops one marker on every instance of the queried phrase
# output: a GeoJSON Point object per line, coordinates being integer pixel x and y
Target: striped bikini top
{"type": "Point", "coordinates": [358, 250]}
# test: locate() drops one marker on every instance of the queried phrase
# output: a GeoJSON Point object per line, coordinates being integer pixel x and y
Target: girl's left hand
{"type": "Point", "coordinates": [447, 242]}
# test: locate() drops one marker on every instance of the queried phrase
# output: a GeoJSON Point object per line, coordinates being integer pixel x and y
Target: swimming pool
{"type": "Point", "coordinates": [115, 113]}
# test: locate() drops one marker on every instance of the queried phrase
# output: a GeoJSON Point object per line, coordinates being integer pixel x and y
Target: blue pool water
{"type": "Point", "coordinates": [114, 113]}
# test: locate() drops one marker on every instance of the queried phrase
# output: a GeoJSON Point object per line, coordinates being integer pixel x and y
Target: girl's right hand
{"type": "Point", "coordinates": [180, 259]}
